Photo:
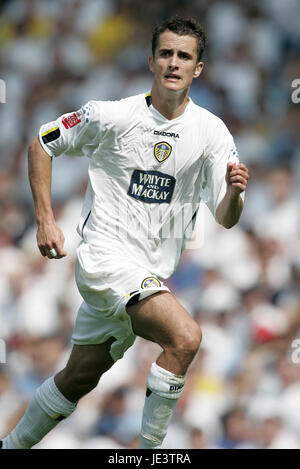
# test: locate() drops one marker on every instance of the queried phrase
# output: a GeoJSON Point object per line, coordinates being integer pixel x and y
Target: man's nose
{"type": "Point", "coordinates": [173, 64]}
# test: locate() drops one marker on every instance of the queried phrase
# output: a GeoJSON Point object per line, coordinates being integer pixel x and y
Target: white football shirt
{"type": "Point", "coordinates": [147, 175]}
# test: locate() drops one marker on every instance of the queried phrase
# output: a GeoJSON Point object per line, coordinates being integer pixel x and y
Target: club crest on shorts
{"type": "Point", "coordinates": [162, 151]}
{"type": "Point", "coordinates": [150, 282]}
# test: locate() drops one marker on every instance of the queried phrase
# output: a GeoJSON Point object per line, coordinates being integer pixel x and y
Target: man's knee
{"type": "Point", "coordinates": [84, 369]}
{"type": "Point", "coordinates": [78, 382]}
{"type": "Point", "coordinates": [188, 341]}
{"type": "Point", "coordinates": [86, 381]}
{"type": "Point", "coordinates": [192, 339]}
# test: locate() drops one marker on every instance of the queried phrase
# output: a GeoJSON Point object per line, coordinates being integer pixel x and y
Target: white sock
{"type": "Point", "coordinates": [163, 390]}
{"type": "Point", "coordinates": [45, 410]}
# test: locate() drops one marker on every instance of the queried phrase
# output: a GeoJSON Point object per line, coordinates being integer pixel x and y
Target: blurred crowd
{"type": "Point", "coordinates": [242, 286]}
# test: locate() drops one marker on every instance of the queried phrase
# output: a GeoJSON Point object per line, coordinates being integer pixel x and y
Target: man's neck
{"type": "Point", "coordinates": [170, 104]}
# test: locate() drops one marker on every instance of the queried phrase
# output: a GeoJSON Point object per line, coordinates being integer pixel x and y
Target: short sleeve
{"type": "Point", "coordinates": [73, 133]}
{"type": "Point", "coordinates": [219, 151]}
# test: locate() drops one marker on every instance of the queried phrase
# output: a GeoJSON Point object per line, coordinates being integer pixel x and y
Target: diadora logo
{"type": "Point", "coordinates": [165, 134]}
{"type": "Point", "coordinates": [71, 120]}
{"type": "Point", "coordinates": [176, 388]}
{"type": "Point", "coordinates": [162, 151]}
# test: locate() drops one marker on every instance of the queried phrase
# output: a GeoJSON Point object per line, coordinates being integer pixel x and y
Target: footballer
{"type": "Point", "coordinates": [150, 156]}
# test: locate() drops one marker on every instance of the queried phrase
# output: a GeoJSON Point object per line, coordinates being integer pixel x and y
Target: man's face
{"type": "Point", "coordinates": [175, 62]}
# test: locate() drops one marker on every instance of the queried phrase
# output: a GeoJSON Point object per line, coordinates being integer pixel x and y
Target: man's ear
{"type": "Point", "coordinates": [150, 62]}
{"type": "Point", "coordinates": [198, 69]}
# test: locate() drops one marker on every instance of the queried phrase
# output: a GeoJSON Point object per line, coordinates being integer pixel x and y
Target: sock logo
{"type": "Point", "coordinates": [176, 388]}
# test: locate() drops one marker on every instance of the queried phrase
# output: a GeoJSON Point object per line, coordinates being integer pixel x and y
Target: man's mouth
{"type": "Point", "coordinates": [172, 77]}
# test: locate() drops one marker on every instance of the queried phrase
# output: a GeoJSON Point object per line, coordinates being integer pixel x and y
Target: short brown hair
{"type": "Point", "coordinates": [182, 27]}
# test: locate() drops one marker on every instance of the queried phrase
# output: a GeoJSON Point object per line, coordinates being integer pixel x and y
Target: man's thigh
{"type": "Point", "coordinates": [161, 319]}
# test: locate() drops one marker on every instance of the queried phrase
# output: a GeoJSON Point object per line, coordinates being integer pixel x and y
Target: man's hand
{"type": "Point", "coordinates": [236, 177]}
{"type": "Point", "coordinates": [50, 236]}
{"type": "Point", "coordinates": [230, 208]}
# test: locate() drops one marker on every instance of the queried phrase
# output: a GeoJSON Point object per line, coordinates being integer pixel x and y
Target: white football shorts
{"type": "Point", "coordinates": [107, 284]}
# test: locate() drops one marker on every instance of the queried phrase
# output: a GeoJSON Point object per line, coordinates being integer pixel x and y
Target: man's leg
{"type": "Point", "coordinates": [57, 397]}
{"type": "Point", "coordinates": [161, 319]}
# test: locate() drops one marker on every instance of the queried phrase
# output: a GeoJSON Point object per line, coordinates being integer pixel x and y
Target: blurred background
{"type": "Point", "coordinates": [243, 286]}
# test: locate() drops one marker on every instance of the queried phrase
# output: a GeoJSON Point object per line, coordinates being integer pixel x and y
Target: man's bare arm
{"type": "Point", "coordinates": [230, 208]}
{"type": "Point", "coordinates": [49, 235]}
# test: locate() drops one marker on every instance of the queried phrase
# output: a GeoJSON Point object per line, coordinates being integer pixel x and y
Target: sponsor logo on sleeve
{"type": "Point", "coordinates": [151, 187]}
{"type": "Point", "coordinates": [162, 151]}
{"type": "Point", "coordinates": [71, 120]}
{"type": "Point", "coordinates": [150, 282]}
